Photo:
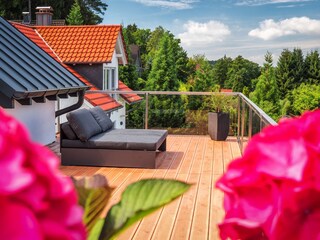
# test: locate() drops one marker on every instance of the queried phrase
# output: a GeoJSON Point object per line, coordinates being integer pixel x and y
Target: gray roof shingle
{"type": "Point", "coordinates": [26, 71]}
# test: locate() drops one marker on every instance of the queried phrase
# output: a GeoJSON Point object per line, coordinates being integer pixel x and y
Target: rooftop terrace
{"type": "Point", "coordinates": [191, 158]}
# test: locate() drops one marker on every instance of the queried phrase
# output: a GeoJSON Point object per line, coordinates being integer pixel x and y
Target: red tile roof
{"type": "Point", "coordinates": [105, 101]}
{"type": "Point", "coordinates": [226, 90]}
{"type": "Point", "coordinates": [82, 44]}
{"type": "Point", "coordinates": [129, 98]}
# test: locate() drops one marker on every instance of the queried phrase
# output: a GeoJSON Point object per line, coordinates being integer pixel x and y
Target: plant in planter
{"type": "Point", "coordinates": [219, 107]}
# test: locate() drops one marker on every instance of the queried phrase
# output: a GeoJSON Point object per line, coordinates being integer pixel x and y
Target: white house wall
{"type": "Point", "coordinates": [38, 118]}
{"type": "Point", "coordinates": [114, 64]}
{"type": "Point", "coordinates": [118, 116]}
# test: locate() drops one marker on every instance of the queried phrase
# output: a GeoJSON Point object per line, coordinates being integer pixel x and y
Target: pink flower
{"type": "Point", "coordinates": [37, 201]}
{"type": "Point", "coordinates": [273, 190]}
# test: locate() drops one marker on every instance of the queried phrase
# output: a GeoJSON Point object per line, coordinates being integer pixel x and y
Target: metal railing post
{"type": "Point", "coordinates": [147, 112]}
{"type": "Point", "coordinates": [239, 114]}
{"type": "Point", "coordinates": [250, 124]}
{"type": "Point", "coordinates": [242, 124]}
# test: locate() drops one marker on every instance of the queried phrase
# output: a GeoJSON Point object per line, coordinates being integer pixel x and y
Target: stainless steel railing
{"type": "Point", "coordinates": [250, 118]}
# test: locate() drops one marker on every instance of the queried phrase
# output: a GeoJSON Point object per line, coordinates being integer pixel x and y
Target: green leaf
{"type": "Point", "coordinates": [94, 194]}
{"type": "Point", "coordinates": [138, 200]}
{"type": "Point", "coordinates": [96, 230]}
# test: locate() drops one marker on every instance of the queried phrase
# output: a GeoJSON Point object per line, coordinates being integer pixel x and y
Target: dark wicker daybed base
{"type": "Point", "coordinates": [115, 148]}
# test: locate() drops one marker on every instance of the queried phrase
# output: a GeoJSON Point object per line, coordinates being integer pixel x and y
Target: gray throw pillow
{"type": "Point", "coordinates": [102, 118]}
{"type": "Point", "coordinates": [70, 134]}
{"type": "Point", "coordinates": [83, 124]}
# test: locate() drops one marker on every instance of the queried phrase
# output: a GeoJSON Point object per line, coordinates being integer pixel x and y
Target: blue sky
{"type": "Point", "coordinates": [227, 27]}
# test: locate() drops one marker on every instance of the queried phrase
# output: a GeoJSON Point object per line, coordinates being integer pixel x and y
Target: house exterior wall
{"type": "Point", "coordinates": [118, 116]}
{"type": "Point", "coordinates": [61, 104]}
{"type": "Point", "coordinates": [38, 118]}
{"type": "Point", "coordinates": [94, 73]}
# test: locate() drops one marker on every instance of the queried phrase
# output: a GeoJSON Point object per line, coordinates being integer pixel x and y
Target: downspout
{"type": "Point", "coordinates": [72, 107]}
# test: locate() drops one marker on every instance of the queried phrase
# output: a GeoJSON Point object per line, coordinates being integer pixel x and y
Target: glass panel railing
{"type": "Point", "coordinates": [251, 120]}
{"type": "Point", "coordinates": [187, 113]}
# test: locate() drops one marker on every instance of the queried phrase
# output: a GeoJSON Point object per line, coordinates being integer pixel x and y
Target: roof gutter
{"type": "Point", "coordinates": [72, 107]}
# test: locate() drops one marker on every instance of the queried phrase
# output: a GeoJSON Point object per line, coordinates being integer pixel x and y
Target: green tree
{"type": "Point", "coordinates": [285, 79]}
{"type": "Point", "coordinates": [183, 71]}
{"type": "Point", "coordinates": [266, 94]}
{"type": "Point", "coordinates": [297, 67]}
{"type": "Point", "coordinates": [201, 80]}
{"type": "Point", "coordinates": [92, 11]}
{"type": "Point", "coordinates": [241, 73]}
{"type": "Point", "coordinates": [305, 97]}
{"type": "Point", "coordinates": [166, 111]}
{"type": "Point", "coordinates": [312, 66]}
{"type": "Point", "coordinates": [291, 71]}
{"type": "Point", "coordinates": [220, 70]}
{"type": "Point", "coordinates": [75, 17]}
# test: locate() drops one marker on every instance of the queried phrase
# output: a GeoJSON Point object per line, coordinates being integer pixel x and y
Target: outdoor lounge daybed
{"type": "Point", "coordinates": [88, 138]}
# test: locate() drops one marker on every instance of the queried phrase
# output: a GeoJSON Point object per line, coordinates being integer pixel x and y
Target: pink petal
{"type": "Point", "coordinates": [18, 222]}
{"type": "Point", "coordinates": [14, 175]}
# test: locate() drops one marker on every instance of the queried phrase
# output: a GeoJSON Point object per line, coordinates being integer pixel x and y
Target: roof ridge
{"type": "Point", "coordinates": [79, 26]}
{"type": "Point", "coordinates": [35, 30]}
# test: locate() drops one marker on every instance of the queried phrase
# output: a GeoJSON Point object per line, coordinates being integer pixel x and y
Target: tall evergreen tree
{"type": "Point", "coordinates": [92, 11]}
{"type": "Point", "coordinates": [285, 80]}
{"type": "Point", "coordinates": [241, 73]}
{"type": "Point", "coordinates": [167, 111]}
{"type": "Point", "coordinates": [297, 67]}
{"type": "Point", "coordinates": [75, 17]}
{"type": "Point", "coordinates": [312, 67]}
{"type": "Point", "coordinates": [201, 80]}
{"type": "Point", "coordinates": [220, 70]}
{"type": "Point", "coordinates": [163, 75]}
{"type": "Point", "coordinates": [266, 94]}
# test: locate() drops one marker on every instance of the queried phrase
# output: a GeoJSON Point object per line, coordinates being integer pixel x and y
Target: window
{"type": "Point", "coordinates": [109, 79]}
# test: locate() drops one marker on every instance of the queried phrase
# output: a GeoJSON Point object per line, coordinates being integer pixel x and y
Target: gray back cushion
{"type": "Point", "coordinates": [68, 132]}
{"type": "Point", "coordinates": [83, 124]}
{"type": "Point", "coordinates": [102, 118]}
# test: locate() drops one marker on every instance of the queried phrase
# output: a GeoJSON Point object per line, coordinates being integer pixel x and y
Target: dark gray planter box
{"type": "Point", "coordinates": [218, 125]}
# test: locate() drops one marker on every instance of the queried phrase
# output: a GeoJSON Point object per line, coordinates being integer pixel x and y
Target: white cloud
{"type": "Point", "coordinates": [203, 34]}
{"type": "Point", "coordinates": [265, 2]}
{"type": "Point", "coordinates": [269, 29]}
{"type": "Point", "coordinates": [174, 4]}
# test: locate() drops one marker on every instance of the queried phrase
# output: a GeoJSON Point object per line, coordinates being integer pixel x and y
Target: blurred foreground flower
{"type": "Point", "coordinates": [37, 202]}
{"type": "Point", "coordinates": [273, 191]}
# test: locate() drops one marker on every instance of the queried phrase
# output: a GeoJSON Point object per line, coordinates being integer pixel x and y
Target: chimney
{"type": "Point", "coordinates": [44, 16]}
{"type": "Point", "coordinates": [26, 18]}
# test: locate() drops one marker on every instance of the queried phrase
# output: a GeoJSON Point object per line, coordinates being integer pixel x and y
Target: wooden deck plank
{"type": "Point", "coordinates": [194, 159]}
{"type": "Point", "coordinates": [227, 155]}
{"type": "Point", "coordinates": [216, 211]}
{"type": "Point", "coordinates": [146, 226]}
{"type": "Point", "coordinates": [183, 221]}
{"type": "Point", "coordinates": [143, 229]}
{"type": "Point", "coordinates": [218, 164]}
{"type": "Point", "coordinates": [162, 230]}
{"type": "Point", "coordinates": [200, 223]}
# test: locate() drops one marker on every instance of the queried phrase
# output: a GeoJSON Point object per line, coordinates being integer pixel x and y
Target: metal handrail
{"type": "Point", "coordinates": [243, 102]}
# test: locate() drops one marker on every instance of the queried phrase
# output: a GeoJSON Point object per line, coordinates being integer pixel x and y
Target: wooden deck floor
{"type": "Point", "coordinates": [194, 159]}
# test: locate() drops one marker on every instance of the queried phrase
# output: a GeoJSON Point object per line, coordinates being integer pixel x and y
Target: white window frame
{"type": "Point", "coordinates": [109, 79]}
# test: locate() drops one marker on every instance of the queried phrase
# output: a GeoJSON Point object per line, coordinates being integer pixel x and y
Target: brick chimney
{"type": "Point", "coordinates": [44, 16]}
